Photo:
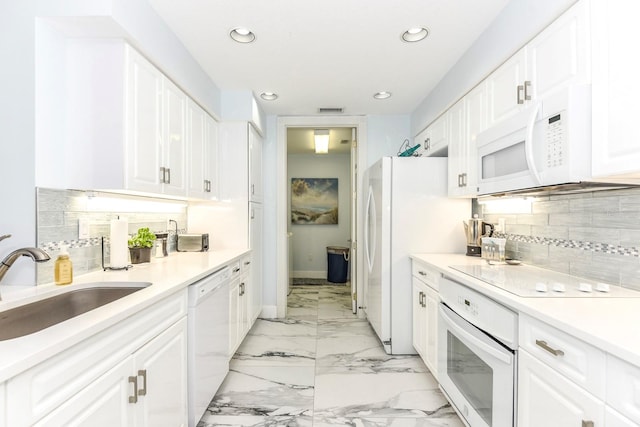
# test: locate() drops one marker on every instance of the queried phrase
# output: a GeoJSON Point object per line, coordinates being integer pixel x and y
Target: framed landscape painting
{"type": "Point", "coordinates": [314, 201]}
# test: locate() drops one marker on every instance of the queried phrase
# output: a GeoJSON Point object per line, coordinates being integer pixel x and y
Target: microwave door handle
{"type": "Point", "coordinates": [528, 144]}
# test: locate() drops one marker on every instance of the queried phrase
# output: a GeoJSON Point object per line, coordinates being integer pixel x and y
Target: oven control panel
{"type": "Point", "coordinates": [481, 311]}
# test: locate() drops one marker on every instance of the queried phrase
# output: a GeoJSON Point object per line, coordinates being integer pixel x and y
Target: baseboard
{"type": "Point", "coordinates": [309, 274]}
{"type": "Point", "coordinates": [269, 312]}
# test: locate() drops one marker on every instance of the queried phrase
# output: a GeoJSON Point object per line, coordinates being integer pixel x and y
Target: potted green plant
{"type": "Point", "coordinates": [140, 245]}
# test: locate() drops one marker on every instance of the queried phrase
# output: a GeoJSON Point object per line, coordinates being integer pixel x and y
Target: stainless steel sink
{"type": "Point", "coordinates": [36, 316]}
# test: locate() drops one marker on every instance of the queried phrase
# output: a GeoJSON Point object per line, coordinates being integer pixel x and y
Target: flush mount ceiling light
{"type": "Point", "coordinates": [382, 95]}
{"type": "Point", "coordinates": [415, 34]}
{"type": "Point", "coordinates": [242, 35]}
{"type": "Point", "coordinates": [321, 140]}
{"type": "Point", "coordinates": [269, 96]}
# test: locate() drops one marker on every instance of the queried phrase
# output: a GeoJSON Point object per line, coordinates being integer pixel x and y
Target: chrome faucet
{"type": "Point", "coordinates": [36, 254]}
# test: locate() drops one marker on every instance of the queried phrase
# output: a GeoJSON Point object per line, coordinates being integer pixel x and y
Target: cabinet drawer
{"type": "Point", "coordinates": [623, 387]}
{"type": "Point", "coordinates": [245, 264]}
{"type": "Point", "coordinates": [425, 274]}
{"type": "Point", "coordinates": [580, 362]}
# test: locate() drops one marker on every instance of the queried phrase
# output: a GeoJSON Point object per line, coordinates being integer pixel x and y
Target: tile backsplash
{"type": "Point", "coordinates": [594, 235]}
{"type": "Point", "coordinates": [60, 211]}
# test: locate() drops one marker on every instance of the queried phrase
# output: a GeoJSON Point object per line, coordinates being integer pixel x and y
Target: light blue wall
{"type": "Point", "coordinates": [518, 23]}
{"type": "Point", "coordinates": [385, 135]}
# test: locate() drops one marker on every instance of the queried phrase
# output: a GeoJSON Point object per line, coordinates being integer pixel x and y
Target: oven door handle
{"type": "Point", "coordinates": [461, 332]}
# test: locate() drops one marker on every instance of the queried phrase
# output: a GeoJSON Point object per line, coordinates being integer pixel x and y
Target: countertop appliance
{"type": "Point", "coordinates": [477, 361]}
{"type": "Point", "coordinates": [475, 229]}
{"type": "Point", "coordinates": [407, 211]}
{"type": "Point", "coordinates": [545, 144]}
{"type": "Point", "coordinates": [193, 243]}
{"type": "Point", "coordinates": [529, 281]}
{"type": "Point", "coordinates": [208, 340]}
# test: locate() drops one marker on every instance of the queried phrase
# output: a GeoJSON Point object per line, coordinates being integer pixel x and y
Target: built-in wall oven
{"type": "Point", "coordinates": [477, 363]}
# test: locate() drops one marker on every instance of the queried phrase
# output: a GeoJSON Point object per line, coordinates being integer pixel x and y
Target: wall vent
{"type": "Point", "coordinates": [331, 110]}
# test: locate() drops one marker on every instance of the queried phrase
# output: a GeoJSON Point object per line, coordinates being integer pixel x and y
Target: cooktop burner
{"type": "Point", "coordinates": [529, 281]}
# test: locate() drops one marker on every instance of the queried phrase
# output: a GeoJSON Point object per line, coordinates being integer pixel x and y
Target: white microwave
{"type": "Point", "coordinates": [546, 144]}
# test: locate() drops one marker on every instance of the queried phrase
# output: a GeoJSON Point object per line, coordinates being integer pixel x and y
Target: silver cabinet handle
{"type": "Point", "coordinates": [143, 391]}
{"type": "Point", "coordinates": [241, 288]}
{"type": "Point", "coordinates": [519, 91]}
{"type": "Point", "coordinates": [162, 174]}
{"type": "Point", "coordinates": [422, 273]}
{"type": "Point", "coordinates": [527, 86]}
{"type": "Point", "coordinates": [551, 350]}
{"type": "Point", "coordinates": [168, 176]}
{"type": "Point", "coordinates": [253, 188]}
{"type": "Point", "coordinates": [247, 262]}
{"type": "Point", "coordinates": [588, 423]}
{"type": "Point", "coordinates": [420, 298]}
{"type": "Point", "coordinates": [235, 270]}
{"type": "Point", "coordinates": [459, 180]}
{"type": "Point", "coordinates": [464, 179]}
{"type": "Point", "coordinates": [427, 144]}
{"type": "Point", "coordinates": [134, 398]}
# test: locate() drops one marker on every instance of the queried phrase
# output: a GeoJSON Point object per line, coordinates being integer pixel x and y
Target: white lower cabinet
{"type": "Point", "coordinates": [134, 373]}
{"type": "Point", "coordinates": [547, 398]}
{"type": "Point", "coordinates": [3, 410]}
{"type": "Point", "coordinates": [240, 316]}
{"type": "Point", "coordinates": [425, 315]}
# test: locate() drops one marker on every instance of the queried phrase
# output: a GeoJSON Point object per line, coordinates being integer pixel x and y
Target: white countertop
{"type": "Point", "coordinates": [610, 324]}
{"type": "Point", "coordinates": [167, 275]}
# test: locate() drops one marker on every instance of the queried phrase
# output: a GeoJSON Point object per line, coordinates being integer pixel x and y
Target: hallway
{"type": "Point", "coordinates": [322, 366]}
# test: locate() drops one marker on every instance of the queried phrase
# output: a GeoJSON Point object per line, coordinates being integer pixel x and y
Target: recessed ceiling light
{"type": "Point", "coordinates": [382, 95]}
{"type": "Point", "coordinates": [269, 96]}
{"type": "Point", "coordinates": [415, 34]}
{"type": "Point", "coordinates": [242, 35]}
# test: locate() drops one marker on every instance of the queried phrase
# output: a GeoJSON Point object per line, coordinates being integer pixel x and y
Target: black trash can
{"type": "Point", "coordinates": [337, 264]}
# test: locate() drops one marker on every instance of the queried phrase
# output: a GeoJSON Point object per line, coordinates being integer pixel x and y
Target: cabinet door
{"type": "Point", "coordinates": [559, 56]}
{"type": "Point", "coordinates": [437, 137]}
{"type": "Point", "coordinates": [431, 329]}
{"type": "Point", "coordinates": [546, 398]}
{"type": "Point", "coordinates": [161, 368]}
{"type": "Point", "coordinates": [143, 124]}
{"type": "Point", "coordinates": [104, 403]}
{"type": "Point", "coordinates": [502, 87]}
{"type": "Point", "coordinates": [458, 149]}
{"type": "Point", "coordinates": [616, 109]}
{"type": "Point", "coordinates": [244, 315]}
{"type": "Point", "coordinates": [255, 166]}
{"type": "Point", "coordinates": [197, 153]}
{"type": "Point", "coordinates": [174, 140]}
{"type": "Point", "coordinates": [419, 319]}
{"type": "Point", "coordinates": [234, 317]}
{"type": "Point", "coordinates": [211, 154]}
{"type": "Point", "coordinates": [233, 151]}
{"type": "Point", "coordinates": [476, 107]}
{"type": "Point", "coordinates": [255, 243]}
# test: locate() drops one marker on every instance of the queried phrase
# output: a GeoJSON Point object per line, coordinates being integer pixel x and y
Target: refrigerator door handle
{"type": "Point", "coordinates": [370, 229]}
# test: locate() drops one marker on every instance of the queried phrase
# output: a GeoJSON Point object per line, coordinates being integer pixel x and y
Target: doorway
{"type": "Point", "coordinates": [285, 270]}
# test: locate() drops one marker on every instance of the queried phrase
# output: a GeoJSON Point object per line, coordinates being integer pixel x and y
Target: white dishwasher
{"type": "Point", "coordinates": [208, 340]}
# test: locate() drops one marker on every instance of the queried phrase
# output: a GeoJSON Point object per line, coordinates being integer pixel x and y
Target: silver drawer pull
{"type": "Point", "coordinates": [588, 423]}
{"type": "Point", "coordinates": [422, 273]}
{"type": "Point", "coordinates": [134, 398]}
{"type": "Point", "coordinates": [551, 350]}
{"type": "Point", "coordinates": [143, 391]}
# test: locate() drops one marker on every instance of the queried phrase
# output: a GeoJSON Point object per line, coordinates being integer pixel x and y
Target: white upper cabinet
{"type": "Point", "coordinates": [616, 66]}
{"type": "Point", "coordinates": [559, 56]}
{"type": "Point", "coordinates": [555, 59]}
{"type": "Point", "coordinates": [505, 88]}
{"type": "Point", "coordinates": [458, 149]}
{"type": "Point", "coordinates": [202, 144]}
{"type": "Point", "coordinates": [174, 145]}
{"type": "Point", "coordinates": [255, 166]}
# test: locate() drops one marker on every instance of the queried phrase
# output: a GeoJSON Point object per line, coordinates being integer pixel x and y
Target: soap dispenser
{"type": "Point", "coordinates": [63, 269]}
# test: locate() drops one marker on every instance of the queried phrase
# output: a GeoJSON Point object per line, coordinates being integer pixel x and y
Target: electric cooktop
{"type": "Point", "coordinates": [528, 281]}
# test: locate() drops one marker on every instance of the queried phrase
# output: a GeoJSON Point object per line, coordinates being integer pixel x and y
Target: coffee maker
{"type": "Point", "coordinates": [475, 230]}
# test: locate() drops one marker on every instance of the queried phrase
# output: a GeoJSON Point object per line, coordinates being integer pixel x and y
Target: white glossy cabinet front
{"type": "Point", "coordinates": [255, 166]}
{"type": "Point", "coordinates": [202, 143]}
{"type": "Point", "coordinates": [425, 302]}
{"type": "Point", "coordinates": [98, 374]}
{"type": "Point", "coordinates": [505, 88]}
{"type": "Point", "coordinates": [256, 222]}
{"type": "Point", "coordinates": [146, 389]}
{"type": "Point", "coordinates": [616, 66]}
{"type": "Point", "coordinates": [546, 398]}
{"type": "Point", "coordinates": [240, 303]}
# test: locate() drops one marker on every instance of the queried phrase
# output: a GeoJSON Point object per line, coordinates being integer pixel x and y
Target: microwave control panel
{"type": "Point", "coordinates": [556, 141]}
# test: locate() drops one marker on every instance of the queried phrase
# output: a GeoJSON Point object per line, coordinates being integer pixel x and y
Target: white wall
{"type": "Point", "coordinates": [270, 188]}
{"type": "Point", "coordinates": [310, 241]}
{"type": "Point", "coordinates": [17, 109]}
{"type": "Point", "coordinates": [385, 135]}
{"type": "Point", "coordinates": [518, 23]}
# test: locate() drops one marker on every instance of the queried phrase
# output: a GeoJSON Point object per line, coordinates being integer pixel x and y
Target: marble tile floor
{"type": "Point", "coordinates": [322, 366]}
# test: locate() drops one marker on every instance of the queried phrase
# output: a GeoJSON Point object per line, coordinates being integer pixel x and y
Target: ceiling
{"type": "Point", "coordinates": [300, 140]}
{"type": "Point", "coordinates": [329, 53]}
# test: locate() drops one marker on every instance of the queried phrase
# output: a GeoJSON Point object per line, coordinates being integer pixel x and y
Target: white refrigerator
{"type": "Point", "coordinates": [407, 211]}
